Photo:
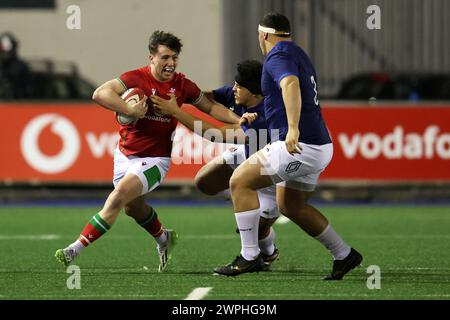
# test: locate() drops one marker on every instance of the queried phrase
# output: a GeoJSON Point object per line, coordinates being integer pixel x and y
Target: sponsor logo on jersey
{"type": "Point", "coordinates": [158, 118]}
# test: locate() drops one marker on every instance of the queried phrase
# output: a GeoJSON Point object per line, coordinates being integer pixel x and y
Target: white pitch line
{"type": "Point", "coordinates": [282, 220]}
{"type": "Point", "coordinates": [29, 237]}
{"type": "Point", "coordinates": [198, 293]}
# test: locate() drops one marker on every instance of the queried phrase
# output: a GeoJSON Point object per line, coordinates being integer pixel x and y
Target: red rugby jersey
{"type": "Point", "coordinates": [151, 136]}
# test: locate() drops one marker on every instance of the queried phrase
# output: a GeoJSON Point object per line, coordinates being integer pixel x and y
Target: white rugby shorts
{"type": "Point", "coordinates": [150, 170]}
{"type": "Point", "coordinates": [299, 171]}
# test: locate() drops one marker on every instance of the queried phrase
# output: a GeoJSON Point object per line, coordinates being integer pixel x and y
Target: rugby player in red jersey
{"type": "Point", "coordinates": [142, 157]}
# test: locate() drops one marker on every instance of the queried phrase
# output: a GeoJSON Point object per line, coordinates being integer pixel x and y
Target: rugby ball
{"type": "Point", "coordinates": [131, 97]}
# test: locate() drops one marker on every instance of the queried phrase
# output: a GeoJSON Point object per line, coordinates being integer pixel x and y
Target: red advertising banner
{"type": "Point", "coordinates": [76, 142]}
{"type": "Point", "coordinates": [57, 143]}
{"type": "Point", "coordinates": [389, 143]}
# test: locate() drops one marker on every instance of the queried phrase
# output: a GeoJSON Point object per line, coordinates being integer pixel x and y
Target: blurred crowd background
{"type": "Point", "coordinates": [408, 58]}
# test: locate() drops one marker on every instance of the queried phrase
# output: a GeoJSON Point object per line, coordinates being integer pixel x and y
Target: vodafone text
{"type": "Point", "coordinates": [431, 143]}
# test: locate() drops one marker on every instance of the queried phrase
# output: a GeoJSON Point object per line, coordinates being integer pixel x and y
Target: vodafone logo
{"type": "Point", "coordinates": [59, 126]}
{"type": "Point", "coordinates": [431, 143]}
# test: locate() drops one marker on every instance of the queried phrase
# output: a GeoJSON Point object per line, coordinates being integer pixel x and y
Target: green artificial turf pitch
{"type": "Point", "coordinates": [411, 245]}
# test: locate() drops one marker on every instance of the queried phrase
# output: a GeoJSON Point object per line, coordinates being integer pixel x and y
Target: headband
{"type": "Point", "coordinates": [271, 30]}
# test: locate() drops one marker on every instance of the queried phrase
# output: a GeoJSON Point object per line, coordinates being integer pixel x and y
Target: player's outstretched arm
{"type": "Point", "coordinates": [209, 94]}
{"type": "Point", "coordinates": [108, 96]}
{"type": "Point", "coordinates": [170, 107]}
{"type": "Point", "coordinates": [217, 111]}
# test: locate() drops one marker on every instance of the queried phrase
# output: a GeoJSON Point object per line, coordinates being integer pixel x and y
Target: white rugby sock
{"type": "Point", "coordinates": [77, 247]}
{"type": "Point", "coordinates": [267, 245]}
{"type": "Point", "coordinates": [334, 243]}
{"type": "Point", "coordinates": [248, 222]}
{"type": "Point", "coordinates": [162, 239]}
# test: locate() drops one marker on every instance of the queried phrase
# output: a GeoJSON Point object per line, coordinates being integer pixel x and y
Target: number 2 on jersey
{"type": "Point", "coordinates": [316, 101]}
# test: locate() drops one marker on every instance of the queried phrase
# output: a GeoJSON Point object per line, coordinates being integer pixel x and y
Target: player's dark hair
{"type": "Point", "coordinates": [249, 75]}
{"type": "Point", "coordinates": [166, 39]}
{"type": "Point", "coordinates": [278, 22]}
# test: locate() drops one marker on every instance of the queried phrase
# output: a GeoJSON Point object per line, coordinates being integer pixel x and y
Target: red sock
{"type": "Point", "coordinates": [93, 230]}
{"type": "Point", "coordinates": [152, 224]}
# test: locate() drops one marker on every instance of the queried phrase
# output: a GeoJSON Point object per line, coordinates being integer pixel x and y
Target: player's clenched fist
{"type": "Point", "coordinates": [292, 144]}
{"type": "Point", "coordinates": [167, 107]}
{"type": "Point", "coordinates": [248, 118]}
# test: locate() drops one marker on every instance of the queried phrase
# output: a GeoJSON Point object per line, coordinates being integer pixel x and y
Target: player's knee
{"type": "Point", "coordinates": [236, 182]}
